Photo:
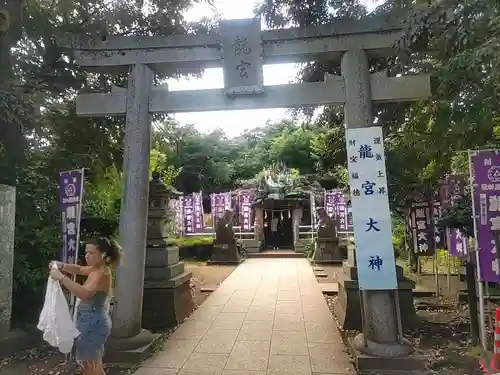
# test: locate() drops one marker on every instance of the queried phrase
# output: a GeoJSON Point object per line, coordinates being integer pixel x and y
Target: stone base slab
{"type": "Point", "coordinates": [131, 350]}
{"type": "Point", "coordinates": [327, 262]}
{"type": "Point", "coordinates": [225, 253]}
{"type": "Point", "coordinates": [167, 307]}
{"type": "Point", "coordinates": [347, 306]}
{"type": "Point", "coordinates": [225, 262]}
{"type": "Point", "coordinates": [365, 362]}
{"type": "Point", "coordinates": [276, 254]}
{"type": "Point", "coordinates": [251, 245]}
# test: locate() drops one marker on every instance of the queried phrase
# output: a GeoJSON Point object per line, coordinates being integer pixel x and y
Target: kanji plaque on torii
{"type": "Point", "coordinates": [241, 53]}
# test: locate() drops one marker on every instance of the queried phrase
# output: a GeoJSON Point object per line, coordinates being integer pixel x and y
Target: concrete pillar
{"type": "Point", "coordinates": [127, 314]}
{"type": "Point", "coordinates": [7, 225]}
{"type": "Point", "coordinates": [380, 307]}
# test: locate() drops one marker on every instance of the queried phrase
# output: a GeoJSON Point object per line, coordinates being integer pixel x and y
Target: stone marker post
{"type": "Point", "coordinates": [380, 307]}
{"type": "Point", "coordinates": [7, 224]}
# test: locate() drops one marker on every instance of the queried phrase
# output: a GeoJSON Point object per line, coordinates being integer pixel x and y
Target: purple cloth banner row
{"type": "Point", "coordinates": [70, 202]}
{"type": "Point", "coordinates": [486, 197]}
{"type": "Point", "coordinates": [245, 199]}
{"type": "Point", "coordinates": [192, 213]}
{"type": "Point", "coordinates": [336, 207]}
{"type": "Point", "coordinates": [220, 203]}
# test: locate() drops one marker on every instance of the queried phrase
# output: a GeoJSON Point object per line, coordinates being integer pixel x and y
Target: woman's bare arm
{"type": "Point", "coordinates": [75, 269]}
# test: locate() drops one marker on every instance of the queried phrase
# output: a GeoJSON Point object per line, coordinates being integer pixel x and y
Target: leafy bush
{"type": "Point", "coordinates": [194, 241]}
{"type": "Point", "coordinates": [195, 247]}
{"type": "Point", "coordinates": [309, 250]}
{"type": "Point", "coordinates": [398, 236]}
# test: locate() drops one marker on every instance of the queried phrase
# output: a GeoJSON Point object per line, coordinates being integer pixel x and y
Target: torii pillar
{"type": "Point", "coordinates": [381, 337]}
{"type": "Point", "coordinates": [127, 336]}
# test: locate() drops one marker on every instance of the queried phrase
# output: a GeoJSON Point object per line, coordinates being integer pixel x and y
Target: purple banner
{"type": "Point", "coordinates": [192, 213]}
{"type": "Point", "coordinates": [336, 207]}
{"type": "Point", "coordinates": [486, 167]}
{"type": "Point", "coordinates": [422, 228]}
{"type": "Point", "coordinates": [198, 212]}
{"type": "Point", "coordinates": [245, 203]}
{"type": "Point", "coordinates": [457, 243]}
{"type": "Point", "coordinates": [220, 203]}
{"type": "Point", "coordinates": [70, 201]}
{"type": "Point", "coordinates": [187, 214]}
{"type": "Point", "coordinates": [330, 201]}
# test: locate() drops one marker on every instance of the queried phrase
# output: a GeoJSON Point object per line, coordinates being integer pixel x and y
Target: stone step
{"type": "Point", "coordinates": [329, 288]}
{"type": "Point", "coordinates": [208, 288]}
{"type": "Point", "coordinates": [276, 254]}
{"type": "Point", "coordinates": [320, 274]}
{"type": "Point", "coordinates": [420, 292]}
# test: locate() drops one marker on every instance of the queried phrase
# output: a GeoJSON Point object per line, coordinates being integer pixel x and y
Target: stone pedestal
{"type": "Point", "coordinates": [225, 249]}
{"type": "Point", "coordinates": [348, 307]}
{"type": "Point", "coordinates": [251, 245]}
{"type": "Point", "coordinates": [328, 252]}
{"type": "Point", "coordinates": [167, 290]}
{"type": "Point", "coordinates": [225, 254]}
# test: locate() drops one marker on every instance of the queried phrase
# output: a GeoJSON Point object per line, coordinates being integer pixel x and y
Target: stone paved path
{"type": "Point", "coordinates": [268, 317]}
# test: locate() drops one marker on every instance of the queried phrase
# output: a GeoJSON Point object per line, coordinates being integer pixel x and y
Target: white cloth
{"type": "Point", "coordinates": [55, 320]}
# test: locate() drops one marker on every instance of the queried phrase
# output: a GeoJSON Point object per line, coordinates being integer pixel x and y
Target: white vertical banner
{"type": "Point", "coordinates": [370, 205]}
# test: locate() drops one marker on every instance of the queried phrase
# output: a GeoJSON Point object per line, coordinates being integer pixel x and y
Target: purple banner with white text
{"type": "Point", "coordinates": [70, 201]}
{"type": "Point", "coordinates": [336, 207]}
{"type": "Point", "coordinates": [486, 169]}
{"type": "Point", "coordinates": [192, 213]}
{"type": "Point", "coordinates": [245, 199]}
{"type": "Point", "coordinates": [422, 228]}
{"type": "Point", "coordinates": [220, 203]}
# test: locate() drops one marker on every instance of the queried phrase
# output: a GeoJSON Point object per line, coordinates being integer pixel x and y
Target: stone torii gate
{"type": "Point", "coordinates": [241, 49]}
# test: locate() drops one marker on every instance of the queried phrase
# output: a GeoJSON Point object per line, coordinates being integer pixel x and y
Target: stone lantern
{"type": "Point", "coordinates": [167, 294]}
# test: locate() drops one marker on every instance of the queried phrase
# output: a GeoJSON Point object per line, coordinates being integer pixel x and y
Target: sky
{"type": "Point", "coordinates": [233, 122]}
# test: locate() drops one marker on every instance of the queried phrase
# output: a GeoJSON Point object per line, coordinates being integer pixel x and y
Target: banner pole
{"type": "Point", "coordinates": [476, 249]}
{"type": "Point", "coordinates": [78, 233]}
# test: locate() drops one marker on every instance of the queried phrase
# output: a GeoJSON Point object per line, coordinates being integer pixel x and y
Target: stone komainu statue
{"type": "Point", "coordinates": [327, 227]}
{"type": "Point", "coordinates": [224, 233]}
{"type": "Point", "coordinates": [225, 249]}
{"type": "Point", "coordinates": [327, 247]}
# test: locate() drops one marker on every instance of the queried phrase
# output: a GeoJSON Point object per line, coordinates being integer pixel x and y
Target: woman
{"type": "Point", "coordinates": [92, 317]}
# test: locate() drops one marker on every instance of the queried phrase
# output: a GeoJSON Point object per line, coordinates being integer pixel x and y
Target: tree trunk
{"type": "Point", "coordinates": [472, 299]}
